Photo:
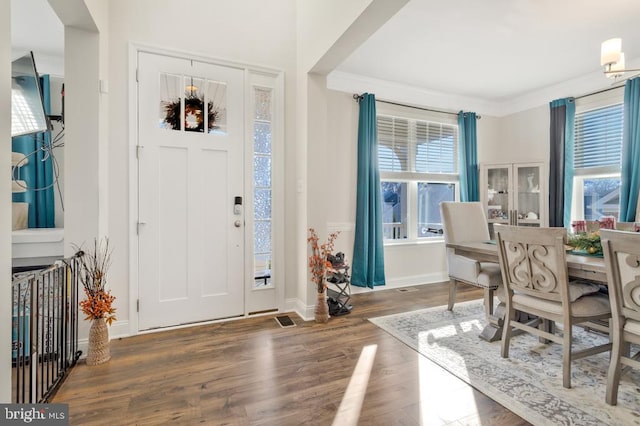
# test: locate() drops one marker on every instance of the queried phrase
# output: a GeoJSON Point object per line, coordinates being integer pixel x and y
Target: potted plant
{"type": "Point", "coordinates": [318, 265]}
{"type": "Point", "coordinates": [98, 305]}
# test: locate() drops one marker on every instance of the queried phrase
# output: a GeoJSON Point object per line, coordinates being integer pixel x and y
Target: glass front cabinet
{"type": "Point", "coordinates": [514, 194]}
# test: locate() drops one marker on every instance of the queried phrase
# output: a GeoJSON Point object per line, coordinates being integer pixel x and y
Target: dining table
{"type": "Point", "coordinates": [579, 266]}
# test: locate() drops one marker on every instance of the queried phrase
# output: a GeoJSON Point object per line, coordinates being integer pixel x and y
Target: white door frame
{"type": "Point", "coordinates": [278, 161]}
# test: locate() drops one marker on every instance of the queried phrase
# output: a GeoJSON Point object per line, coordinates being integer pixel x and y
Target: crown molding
{"type": "Point", "coordinates": [419, 96]}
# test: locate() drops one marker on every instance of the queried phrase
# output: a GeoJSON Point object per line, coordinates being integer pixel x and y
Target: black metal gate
{"type": "Point", "coordinates": [44, 330]}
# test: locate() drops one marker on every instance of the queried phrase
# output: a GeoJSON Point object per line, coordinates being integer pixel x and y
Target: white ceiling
{"type": "Point", "coordinates": [496, 50]}
{"type": "Point", "coordinates": [35, 27]}
{"type": "Point", "coordinates": [489, 50]}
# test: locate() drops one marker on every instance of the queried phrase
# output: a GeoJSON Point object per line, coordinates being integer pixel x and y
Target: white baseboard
{"type": "Point", "coordinates": [434, 278]}
{"type": "Point", "coordinates": [304, 311]}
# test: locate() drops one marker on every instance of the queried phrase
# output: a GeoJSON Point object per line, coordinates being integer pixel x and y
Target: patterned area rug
{"type": "Point", "coordinates": [529, 382]}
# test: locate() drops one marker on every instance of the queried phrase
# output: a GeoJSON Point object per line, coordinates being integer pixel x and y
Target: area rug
{"type": "Point", "coordinates": [529, 382]}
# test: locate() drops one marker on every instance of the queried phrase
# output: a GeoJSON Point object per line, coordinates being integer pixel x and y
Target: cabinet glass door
{"type": "Point", "coordinates": [498, 194]}
{"type": "Point", "coordinates": [528, 200]}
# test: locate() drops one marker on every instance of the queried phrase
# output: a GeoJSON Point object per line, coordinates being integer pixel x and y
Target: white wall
{"type": "Point", "coordinates": [5, 202]}
{"type": "Point", "coordinates": [519, 137]}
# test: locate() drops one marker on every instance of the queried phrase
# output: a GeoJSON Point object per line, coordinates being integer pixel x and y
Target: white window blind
{"type": "Point", "coordinates": [393, 144]}
{"type": "Point", "coordinates": [406, 145]}
{"type": "Point", "coordinates": [435, 148]}
{"type": "Point", "coordinates": [598, 137]}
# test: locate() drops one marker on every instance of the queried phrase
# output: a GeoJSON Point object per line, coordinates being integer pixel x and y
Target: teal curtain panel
{"type": "Point", "coordinates": [468, 157]}
{"type": "Point", "coordinates": [368, 249]}
{"type": "Point", "coordinates": [630, 174]}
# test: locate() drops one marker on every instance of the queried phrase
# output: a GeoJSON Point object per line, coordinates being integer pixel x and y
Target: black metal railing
{"type": "Point", "coordinates": [44, 330]}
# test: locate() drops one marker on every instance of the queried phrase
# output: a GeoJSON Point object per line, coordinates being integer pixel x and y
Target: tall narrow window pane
{"type": "Point", "coordinates": [262, 139]}
{"type": "Point", "coordinates": [262, 134]}
{"type": "Point", "coordinates": [216, 97]}
{"type": "Point", "coordinates": [394, 210]}
{"type": "Point", "coordinates": [170, 113]}
{"type": "Point", "coordinates": [194, 104]}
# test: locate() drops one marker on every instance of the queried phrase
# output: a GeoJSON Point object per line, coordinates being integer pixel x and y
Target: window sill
{"type": "Point", "coordinates": [404, 243]}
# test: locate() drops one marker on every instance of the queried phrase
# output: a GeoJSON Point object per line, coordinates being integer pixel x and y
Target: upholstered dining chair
{"type": "Point", "coordinates": [466, 222]}
{"type": "Point", "coordinates": [622, 259]}
{"type": "Point", "coordinates": [536, 281]}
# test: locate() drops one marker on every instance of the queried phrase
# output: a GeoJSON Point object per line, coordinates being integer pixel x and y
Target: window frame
{"type": "Point", "coordinates": [413, 178]}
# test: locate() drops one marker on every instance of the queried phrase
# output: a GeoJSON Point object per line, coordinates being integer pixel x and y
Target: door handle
{"type": "Point", "coordinates": [237, 224]}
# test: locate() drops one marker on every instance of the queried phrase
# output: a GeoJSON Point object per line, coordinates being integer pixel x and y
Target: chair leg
{"type": "Point", "coordinates": [488, 302]}
{"type": "Point", "coordinates": [452, 293]}
{"type": "Point", "coordinates": [613, 375]}
{"type": "Point", "coordinates": [566, 356]}
{"type": "Point", "coordinates": [507, 330]}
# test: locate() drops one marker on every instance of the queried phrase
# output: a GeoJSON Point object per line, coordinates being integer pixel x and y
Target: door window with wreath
{"type": "Point", "coordinates": [182, 104]}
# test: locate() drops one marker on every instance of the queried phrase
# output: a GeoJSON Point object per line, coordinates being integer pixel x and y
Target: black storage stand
{"type": "Point", "coordinates": [339, 289]}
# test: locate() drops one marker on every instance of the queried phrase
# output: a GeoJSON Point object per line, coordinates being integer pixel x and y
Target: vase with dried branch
{"type": "Point", "coordinates": [318, 265]}
{"type": "Point", "coordinates": [98, 304]}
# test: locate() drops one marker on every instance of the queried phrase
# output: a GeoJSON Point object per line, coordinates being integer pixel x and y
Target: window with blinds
{"type": "Point", "coordinates": [598, 137]}
{"type": "Point", "coordinates": [418, 167]}
{"type": "Point", "coordinates": [597, 156]}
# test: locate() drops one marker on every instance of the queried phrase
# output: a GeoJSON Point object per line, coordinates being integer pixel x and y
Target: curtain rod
{"type": "Point", "coordinates": [599, 91]}
{"type": "Point", "coordinates": [359, 97]}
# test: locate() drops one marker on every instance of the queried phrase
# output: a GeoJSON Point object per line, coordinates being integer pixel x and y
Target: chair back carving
{"type": "Point", "coordinates": [533, 261]}
{"type": "Point", "coordinates": [622, 257]}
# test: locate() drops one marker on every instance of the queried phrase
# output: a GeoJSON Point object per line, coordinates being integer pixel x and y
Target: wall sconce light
{"type": "Point", "coordinates": [612, 58]}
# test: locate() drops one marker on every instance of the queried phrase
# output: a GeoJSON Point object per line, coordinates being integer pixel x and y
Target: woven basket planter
{"type": "Point", "coordinates": [322, 309]}
{"type": "Point", "coordinates": [99, 351]}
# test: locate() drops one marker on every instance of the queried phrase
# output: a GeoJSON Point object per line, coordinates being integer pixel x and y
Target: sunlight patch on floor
{"type": "Point", "coordinates": [349, 410]}
{"type": "Point", "coordinates": [443, 397]}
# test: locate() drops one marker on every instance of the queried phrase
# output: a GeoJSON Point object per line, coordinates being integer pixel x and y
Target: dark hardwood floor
{"type": "Point", "coordinates": [253, 372]}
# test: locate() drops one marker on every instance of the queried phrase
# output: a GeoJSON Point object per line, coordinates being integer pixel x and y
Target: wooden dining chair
{"type": "Point", "coordinates": [465, 222]}
{"type": "Point", "coordinates": [536, 281]}
{"type": "Point", "coordinates": [622, 259]}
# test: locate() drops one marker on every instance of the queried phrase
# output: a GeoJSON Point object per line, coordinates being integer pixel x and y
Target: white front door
{"type": "Point", "coordinates": [190, 191]}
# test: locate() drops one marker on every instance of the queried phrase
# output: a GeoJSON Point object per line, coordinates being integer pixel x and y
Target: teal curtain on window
{"type": "Point", "coordinates": [368, 250]}
{"type": "Point", "coordinates": [630, 174]}
{"type": "Point", "coordinates": [38, 173]}
{"type": "Point", "coordinates": [561, 149]}
{"type": "Point", "coordinates": [468, 158]}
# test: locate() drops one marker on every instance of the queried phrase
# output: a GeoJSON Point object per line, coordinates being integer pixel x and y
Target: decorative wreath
{"type": "Point", "coordinates": [193, 107]}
